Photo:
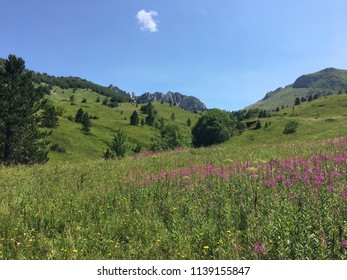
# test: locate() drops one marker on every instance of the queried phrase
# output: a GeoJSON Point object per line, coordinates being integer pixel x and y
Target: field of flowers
{"type": "Point", "coordinates": [189, 204]}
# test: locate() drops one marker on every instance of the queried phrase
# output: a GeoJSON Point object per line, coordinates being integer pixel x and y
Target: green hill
{"type": "Point", "coordinates": [80, 146]}
{"type": "Point", "coordinates": [323, 83]}
{"type": "Point", "coordinates": [323, 118]}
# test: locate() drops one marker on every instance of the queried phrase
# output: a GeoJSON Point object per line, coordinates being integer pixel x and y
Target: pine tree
{"type": "Point", "coordinates": [173, 117]}
{"type": "Point", "coordinates": [49, 117]}
{"type": "Point", "coordinates": [86, 122]}
{"type": "Point", "coordinates": [21, 142]}
{"type": "Point", "coordinates": [189, 122]}
{"type": "Point", "coordinates": [134, 118]}
{"type": "Point", "coordinates": [79, 115]}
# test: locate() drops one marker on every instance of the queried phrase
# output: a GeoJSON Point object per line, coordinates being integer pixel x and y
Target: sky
{"type": "Point", "coordinates": [227, 53]}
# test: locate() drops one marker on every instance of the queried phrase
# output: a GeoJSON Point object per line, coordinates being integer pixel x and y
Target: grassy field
{"type": "Point", "coordinates": [261, 195]}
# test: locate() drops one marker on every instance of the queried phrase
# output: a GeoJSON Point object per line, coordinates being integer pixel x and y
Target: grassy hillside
{"type": "Point", "coordinates": [80, 146]}
{"type": "Point", "coordinates": [323, 83]}
{"type": "Point", "coordinates": [319, 119]}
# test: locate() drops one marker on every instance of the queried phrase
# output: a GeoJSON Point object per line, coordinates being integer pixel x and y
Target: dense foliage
{"type": "Point", "coordinates": [215, 126]}
{"type": "Point", "coordinates": [21, 142]}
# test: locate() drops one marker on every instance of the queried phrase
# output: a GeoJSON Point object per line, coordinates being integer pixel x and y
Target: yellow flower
{"type": "Point", "coordinates": [74, 251]}
{"type": "Point", "coordinates": [158, 240]}
{"type": "Point", "coordinates": [205, 247]}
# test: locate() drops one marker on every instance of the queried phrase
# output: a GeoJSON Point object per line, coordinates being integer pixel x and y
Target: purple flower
{"type": "Point", "coordinates": [330, 188]}
{"type": "Point", "coordinates": [258, 248]}
{"type": "Point", "coordinates": [343, 244]}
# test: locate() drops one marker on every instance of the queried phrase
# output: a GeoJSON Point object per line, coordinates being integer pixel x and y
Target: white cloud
{"type": "Point", "coordinates": [146, 20]}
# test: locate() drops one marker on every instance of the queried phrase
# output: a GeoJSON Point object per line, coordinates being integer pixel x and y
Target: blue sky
{"type": "Point", "coordinates": [228, 53]}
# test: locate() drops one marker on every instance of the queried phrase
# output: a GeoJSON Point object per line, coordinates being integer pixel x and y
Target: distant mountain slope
{"type": "Point", "coordinates": [328, 79]}
{"type": "Point", "coordinates": [323, 83]}
{"type": "Point", "coordinates": [190, 103]}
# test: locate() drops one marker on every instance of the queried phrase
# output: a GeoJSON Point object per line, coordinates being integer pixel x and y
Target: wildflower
{"type": "Point", "coordinates": [343, 244]}
{"type": "Point", "coordinates": [158, 241]}
{"type": "Point", "coordinates": [206, 247]}
{"type": "Point", "coordinates": [330, 188]}
{"type": "Point", "coordinates": [258, 248]}
{"type": "Point", "coordinates": [74, 251]}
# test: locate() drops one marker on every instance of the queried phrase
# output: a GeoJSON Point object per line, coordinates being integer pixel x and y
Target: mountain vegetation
{"type": "Point", "coordinates": [154, 181]}
{"type": "Point", "coordinates": [307, 87]}
{"type": "Point", "coordinates": [21, 141]}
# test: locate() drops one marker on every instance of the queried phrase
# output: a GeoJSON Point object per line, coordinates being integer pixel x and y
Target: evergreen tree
{"type": "Point", "coordinates": [86, 122]}
{"type": "Point", "coordinates": [119, 143]}
{"type": "Point", "coordinates": [142, 122]}
{"type": "Point", "coordinates": [161, 126]}
{"type": "Point", "coordinates": [297, 101]}
{"type": "Point", "coordinates": [21, 142]}
{"type": "Point", "coordinates": [151, 112]}
{"type": "Point", "coordinates": [189, 122]}
{"type": "Point", "coordinates": [173, 117]}
{"type": "Point", "coordinates": [49, 117]}
{"type": "Point", "coordinates": [72, 99]}
{"type": "Point", "coordinates": [258, 125]}
{"type": "Point", "coordinates": [79, 115]}
{"type": "Point", "coordinates": [134, 118]}
{"type": "Point", "coordinates": [105, 101]}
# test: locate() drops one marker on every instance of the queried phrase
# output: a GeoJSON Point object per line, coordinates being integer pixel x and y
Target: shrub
{"type": "Point", "coordinates": [55, 147]}
{"type": "Point", "coordinates": [214, 127]}
{"type": "Point", "coordinates": [291, 127]}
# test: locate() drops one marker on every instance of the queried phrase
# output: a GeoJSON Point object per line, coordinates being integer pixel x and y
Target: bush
{"type": "Point", "coordinates": [291, 127]}
{"type": "Point", "coordinates": [171, 137]}
{"type": "Point", "coordinates": [55, 147]}
{"type": "Point", "coordinates": [214, 127]}
{"type": "Point", "coordinates": [120, 143]}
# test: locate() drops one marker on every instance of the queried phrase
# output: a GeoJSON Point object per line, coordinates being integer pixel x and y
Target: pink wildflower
{"type": "Point", "coordinates": [258, 248]}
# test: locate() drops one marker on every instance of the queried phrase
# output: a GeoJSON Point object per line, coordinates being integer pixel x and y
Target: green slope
{"type": "Point", "coordinates": [319, 119]}
{"type": "Point", "coordinates": [323, 83]}
{"type": "Point", "coordinates": [80, 146]}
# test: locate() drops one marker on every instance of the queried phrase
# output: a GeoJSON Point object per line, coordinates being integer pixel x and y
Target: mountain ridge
{"type": "Point", "coordinates": [190, 103]}
{"type": "Point", "coordinates": [321, 83]}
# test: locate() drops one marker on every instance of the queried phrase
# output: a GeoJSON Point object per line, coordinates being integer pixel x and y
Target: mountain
{"type": "Point", "coordinates": [190, 103]}
{"type": "Point", "coordinates": [323, 83]}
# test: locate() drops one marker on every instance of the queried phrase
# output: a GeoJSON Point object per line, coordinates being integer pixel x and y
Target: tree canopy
{"type": "Point", "coordinates": [21, 141]}
{"type": "Point", "coordinates": [214, 127]}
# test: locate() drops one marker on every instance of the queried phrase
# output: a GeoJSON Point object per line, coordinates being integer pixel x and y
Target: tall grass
{"type": "Point", "coordinates": [214, 203]}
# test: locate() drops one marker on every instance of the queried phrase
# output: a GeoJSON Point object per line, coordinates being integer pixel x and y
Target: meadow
{"type": "Point", "coordinates": [289, 202]}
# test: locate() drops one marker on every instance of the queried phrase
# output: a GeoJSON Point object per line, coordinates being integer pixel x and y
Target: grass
{"type": "Point", "coordinates": [261, 195]}
{"type": "Point", "coordinates": [80, 147]}
{"type": "Point", "coordinates": [180, 205]}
